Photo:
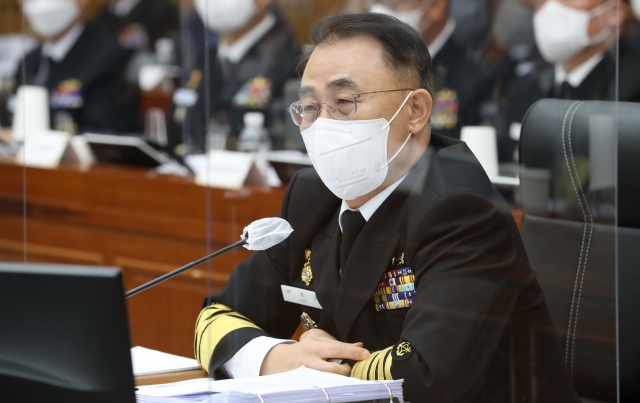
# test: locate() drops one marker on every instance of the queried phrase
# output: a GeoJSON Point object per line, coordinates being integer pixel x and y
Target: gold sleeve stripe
{"type": "Point", "coordinates": [215, 322]}
{"type": "Point", "coordinates": [371, 368]}
{"type": "Point", "coordinates": [388, 359]}
{"type": "Point", "coordinates": [376, 367]}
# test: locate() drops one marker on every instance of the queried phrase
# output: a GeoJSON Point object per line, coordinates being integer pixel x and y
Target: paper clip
{"type": "Point", "coordinates": [325, 393]}
{"type": "Point", "coordinates": [389, 389]}
{"type": "Point", "coordinates": [259, 397]}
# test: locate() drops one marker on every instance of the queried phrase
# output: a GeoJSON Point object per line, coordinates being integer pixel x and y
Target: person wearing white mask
{"type": "Point", "coordinates": [577, 37]}
{"type": "Point", "coordinates": [256, 52]}
{"type": "Point", "coordinates": [461, 86]}
{"type": "Point", "coordinates": [82, 68]}
{"type": "Point", "coordinates": [408, 259]}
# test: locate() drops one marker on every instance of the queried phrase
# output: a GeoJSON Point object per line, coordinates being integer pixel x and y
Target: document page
{"type": "Point", "coordinates": [294, 386]}
{"type": "Point", "coordinates": [146, 362]}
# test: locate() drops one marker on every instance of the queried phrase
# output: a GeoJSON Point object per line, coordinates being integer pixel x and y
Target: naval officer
{"type": "Point", "coordinates": [578, 38]}
{"type": "Point", "coordinates": [411, 263]}
{"type": "Point", "coordinates": [81, 67]}
{"type": "Point", "coordinates": [462, 87]}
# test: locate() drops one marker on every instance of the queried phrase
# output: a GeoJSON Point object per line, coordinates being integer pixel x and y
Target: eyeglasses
{"type": "Point", "coordinates": [341, 105]}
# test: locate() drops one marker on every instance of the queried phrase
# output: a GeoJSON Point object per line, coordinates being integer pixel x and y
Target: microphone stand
{"type": "Point", "coordinates": [181, 270]}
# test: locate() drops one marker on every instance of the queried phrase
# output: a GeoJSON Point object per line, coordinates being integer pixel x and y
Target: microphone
{"type": "Point", "coordinates": [259, 235]}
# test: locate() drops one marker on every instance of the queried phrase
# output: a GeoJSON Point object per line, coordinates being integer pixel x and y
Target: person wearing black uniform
{"type": "Point", "coordinates": [82, 68]}
{"type": "Point", "coordinates": [138, 24]}
{"type": "Point", "coordinates": [256, 54]}
{"type": "Point", "coordinates": [414, 258]}
{"type": "Point", "coordinates": [583, 62]}
{"type": "Point", "coordinates": [462, 87]}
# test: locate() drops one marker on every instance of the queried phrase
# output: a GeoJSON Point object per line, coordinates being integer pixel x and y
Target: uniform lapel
{"type": "Point", "coordinates": [367, 262]}
{"type": "Point", "coordinates": [324, 263]}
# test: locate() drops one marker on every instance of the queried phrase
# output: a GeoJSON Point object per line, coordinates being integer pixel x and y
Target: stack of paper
{"type": "Point", "coordinates": [300, 386]}
{"type": "Point", "coordinates": [147, 362]}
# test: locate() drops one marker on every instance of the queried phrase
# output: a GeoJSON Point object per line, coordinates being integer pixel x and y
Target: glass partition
{"type": "Point", "coordinates": [503, 266]}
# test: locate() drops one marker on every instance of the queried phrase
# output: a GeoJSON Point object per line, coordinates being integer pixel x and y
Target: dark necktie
{"type": "Point", "coordinates": [565, 91]}
{"type": "Point", "coordinates": [44, 70]}
{"type": "Point", "coordinates": [352, 223]}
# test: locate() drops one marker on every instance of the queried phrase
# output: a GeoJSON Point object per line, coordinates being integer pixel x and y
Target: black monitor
{"type": "Point", "coordinates": [64, 335]}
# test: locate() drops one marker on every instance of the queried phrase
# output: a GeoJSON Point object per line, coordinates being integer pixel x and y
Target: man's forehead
{"type": "Point", "coordinates": [332, 83]}
{"type": "Point", "coordinates": [347, 63]}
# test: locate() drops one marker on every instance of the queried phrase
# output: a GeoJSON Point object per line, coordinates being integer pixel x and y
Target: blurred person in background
{"type": "Point", "coordinates": [461, 86]}
{"type": "Point", "coordinates": [634, 40]}
{"type": "Point", "coordinates": [578, 38]}
{"type": "Point", "coordinates": [138, 24]}
{"type": "Point", "coordinates": [82, 68]}
{"type": "Point", "coordinates": [256, 55]}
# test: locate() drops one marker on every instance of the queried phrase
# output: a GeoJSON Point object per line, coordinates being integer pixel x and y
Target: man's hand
{"type": "Point", "coordinates": [315, 347]}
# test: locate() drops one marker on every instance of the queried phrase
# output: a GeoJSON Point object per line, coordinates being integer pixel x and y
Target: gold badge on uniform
{"type": "Point", "coordinates": [307, 275]}
{"type": "Point", "coordinates": [307, 322]}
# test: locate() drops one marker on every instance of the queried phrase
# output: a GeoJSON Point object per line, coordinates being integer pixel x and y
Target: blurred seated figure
{"type": "Point", "coordinates": [82, 68]}
{"type": "Point", "coordinates": [461, 86]}
{"type": "Point", "coordinates": [138, 24]}
{"type": "Point", "coordinates": [256, 55]}
{"type": "Point", "coordinates": [635, 38]}
{"type": "Point", "coordinates": [578, 38]}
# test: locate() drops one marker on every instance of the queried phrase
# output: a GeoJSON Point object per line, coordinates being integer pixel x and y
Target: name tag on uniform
{"type": "Point", "coordinates": [300, 296]}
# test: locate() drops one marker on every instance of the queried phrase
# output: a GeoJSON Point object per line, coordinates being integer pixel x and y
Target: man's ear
{"type": "Point", "coordinates": [421, 104]}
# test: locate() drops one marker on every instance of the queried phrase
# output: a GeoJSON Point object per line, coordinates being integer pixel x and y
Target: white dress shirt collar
{"type": "Point", "coordinates": [579, 74]}
{"type": "Point", "coordinates": [234, 53]}
{"type": "Point", "coordinates": [59, 50]}
{"type": "Point", "coordinates": [372, 204]}
{"type": "Point", "coordinates": [442, 38]}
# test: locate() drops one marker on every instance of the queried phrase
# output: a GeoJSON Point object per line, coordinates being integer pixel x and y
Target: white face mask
{"type": "Point", "coordinates": [351, 155]}
{"type": "Point", "coordinates": [562, 32]}
{"type": "Point", "coordinates": [225, 16]}
{"type": "Point", "coordinates": [635, 6]}
{"type": "Point", "coordinates": [412, 18]}
{"type": "Point", "coordinates": [49, 18]}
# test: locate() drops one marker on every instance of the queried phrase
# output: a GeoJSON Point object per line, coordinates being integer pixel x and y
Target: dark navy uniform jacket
{"type": "Point", "coordinates": [600, 84]}
{"type": "Point", "coordinates": [89, 84]}
{"type": "Point", "coordinates": [273, 58]}
{"type": "Point", "coordinates": [461, 89]}
{"type": "Point", "coordinates": [478, 329]}
{"type": "Point", "coordinates": [148, 21]}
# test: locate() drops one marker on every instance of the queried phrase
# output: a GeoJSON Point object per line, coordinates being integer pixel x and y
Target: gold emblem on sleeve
{"type": "Point", "coordinates": [403, 348]}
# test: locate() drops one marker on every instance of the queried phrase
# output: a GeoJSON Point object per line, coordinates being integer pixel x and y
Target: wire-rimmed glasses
{"type": "Point", "coordinates": [341, 105]}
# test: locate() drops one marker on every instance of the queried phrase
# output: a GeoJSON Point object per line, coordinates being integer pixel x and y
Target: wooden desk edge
{"type": "Point", "coordinates": [169, 377]}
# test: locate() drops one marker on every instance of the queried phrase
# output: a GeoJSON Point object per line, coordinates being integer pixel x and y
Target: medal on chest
{"type": "Point", "coordinates": [307, 275]}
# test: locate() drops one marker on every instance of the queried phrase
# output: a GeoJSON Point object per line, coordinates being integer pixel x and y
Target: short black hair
{"type": "Point", "coordinates": [403, 49]}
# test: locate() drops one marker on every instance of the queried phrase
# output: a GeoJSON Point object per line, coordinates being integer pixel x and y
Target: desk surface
{"type": "Point", "coordinates": [145, 223]}
{"type": "Point", "coordinates": [170, 377]}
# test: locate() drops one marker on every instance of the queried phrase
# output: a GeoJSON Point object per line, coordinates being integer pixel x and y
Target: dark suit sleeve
{"type": "Point", "coordinates": [467, 265]}
{"type": "Point", "coordinates": [249, 306]}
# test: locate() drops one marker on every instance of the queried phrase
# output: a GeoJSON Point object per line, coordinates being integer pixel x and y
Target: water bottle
{"type": "Point", "coordinates": [254, 138]}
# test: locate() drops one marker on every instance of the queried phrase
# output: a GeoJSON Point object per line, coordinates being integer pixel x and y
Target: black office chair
{"type": "Point", "coordinates": [568, 176]}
